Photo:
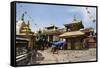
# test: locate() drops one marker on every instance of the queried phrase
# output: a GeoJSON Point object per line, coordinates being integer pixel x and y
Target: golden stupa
{"type": "Point", "coordinates": [22, 28]}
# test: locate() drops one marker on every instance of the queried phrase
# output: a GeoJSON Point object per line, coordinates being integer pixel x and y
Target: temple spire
{"type": "Point", "coordinates": [22, 18]}
{"type": "Point", "coordinates": [28, 23]}
{"type": "Point", "coordinates": [74, 19]}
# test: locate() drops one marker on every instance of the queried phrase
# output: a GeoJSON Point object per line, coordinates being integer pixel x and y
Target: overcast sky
{"type": "Point", "coordinates": [44, 15]}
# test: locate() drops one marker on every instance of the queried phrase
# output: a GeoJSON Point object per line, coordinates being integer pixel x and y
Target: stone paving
{"type": "Point", "coordinates": [47, 56]}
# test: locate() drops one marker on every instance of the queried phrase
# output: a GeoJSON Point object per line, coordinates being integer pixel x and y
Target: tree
{"type": "Point", "coordinates": [41, 40]}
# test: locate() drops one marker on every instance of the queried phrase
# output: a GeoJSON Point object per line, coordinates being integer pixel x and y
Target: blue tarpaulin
{"type": "Point", "coordinates": [59, 43]}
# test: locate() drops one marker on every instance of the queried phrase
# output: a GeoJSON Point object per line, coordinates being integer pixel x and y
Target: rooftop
{"type": "Point", "coordinates": [51, 27]}
{"type": "Point", "coordinates": [71, 34]}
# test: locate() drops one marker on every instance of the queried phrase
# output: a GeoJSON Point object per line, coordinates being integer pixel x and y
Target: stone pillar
{"type": "Point", "coordinates": [30, 44]}
{"type": "Point", "coordinates": [48, 38]}
{"type": "Point", "coordinates": [78, 44]}
{"type": "Point", "coordinates": [54, 38]}
{"type": "Point", "coordinates": [69, 44]}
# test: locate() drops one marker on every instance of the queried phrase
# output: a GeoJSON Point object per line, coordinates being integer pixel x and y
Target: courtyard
{"type": "Point", "coordinates": [46, 56]}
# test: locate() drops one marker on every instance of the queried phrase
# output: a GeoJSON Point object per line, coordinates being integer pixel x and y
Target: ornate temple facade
{"type": "Point", "coordinates": [53, 33]}
{"type": "Point", "coordinates": [73, 35]}
{"type": "Point", "coordinates": [78, 37]}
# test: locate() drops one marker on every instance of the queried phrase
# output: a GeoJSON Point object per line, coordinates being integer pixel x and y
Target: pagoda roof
{"type": "Point", "coordinates": [87, 30]}
{"type": "Point", "coordinates": [74, 26]}
{"type": "Point", "coordinates": [51, 27]}
{"type": "Point", "coordinates": [56, 31]}
{"type": "Point", "coordinates": [74, 23]}
{"type": "Point", "coordinates": [71, 34]}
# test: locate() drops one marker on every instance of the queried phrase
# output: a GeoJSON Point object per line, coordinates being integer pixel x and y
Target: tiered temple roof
{"type": "Point", "coordinates": [52, 29]}
{"type": "Point", "coordinates": [74, 31]}
{"type": "Point", "coordinates": [74, 25]}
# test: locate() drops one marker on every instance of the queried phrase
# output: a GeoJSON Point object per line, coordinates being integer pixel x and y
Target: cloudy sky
{"type": "Point", "coordinates": [41, 15]}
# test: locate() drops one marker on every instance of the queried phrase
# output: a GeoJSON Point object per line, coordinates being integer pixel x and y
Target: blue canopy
{"type": "Point", "coordinates": [59, 43]}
